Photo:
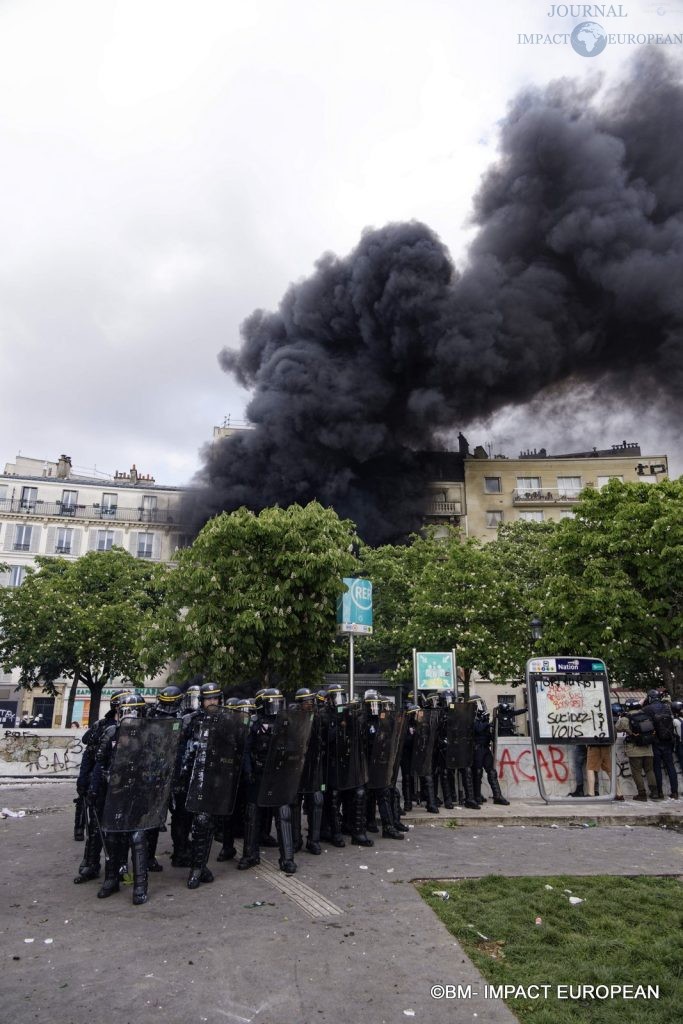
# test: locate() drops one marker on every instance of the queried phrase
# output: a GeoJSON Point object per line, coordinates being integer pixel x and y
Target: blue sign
{"type": "Point", "coordinates": [354, 608]}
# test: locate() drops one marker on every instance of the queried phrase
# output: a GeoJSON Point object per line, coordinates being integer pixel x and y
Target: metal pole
{"type": "Point", "coordinates": [350, 666]}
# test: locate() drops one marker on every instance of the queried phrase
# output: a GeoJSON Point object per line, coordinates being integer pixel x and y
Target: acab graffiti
{"type": "Point", "coordinates": [56, 760]}
{"type": "Point", "coordinates": [518, 763]}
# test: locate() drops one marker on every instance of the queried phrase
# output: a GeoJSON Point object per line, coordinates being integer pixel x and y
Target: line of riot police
{"type": "Point", "coordinates": [228, 768]}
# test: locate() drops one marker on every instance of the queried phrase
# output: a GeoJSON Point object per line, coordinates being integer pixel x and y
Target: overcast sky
{"type": "Point", "coordinates": [168, 166]}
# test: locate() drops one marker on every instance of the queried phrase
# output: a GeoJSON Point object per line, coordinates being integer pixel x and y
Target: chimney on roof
{"type": "Point", "coordinates": [133, 474]}
{"type": "Point", "coordinates": [64, 467]}
{"type": "Point", "coordinates": [463, 445]}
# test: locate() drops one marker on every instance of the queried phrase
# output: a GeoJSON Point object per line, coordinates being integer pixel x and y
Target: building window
{"type": "Point", "coordinates": [64, 541]}
{"type": "Point", "coordinates": [492, 485]}
{"type": "Point", "coordinates": [109, 504]}
{"type": "Point", "coordinates": [531, 517]}
{"type": "Point", "coordinates": [149, 507]}
{"type": "Point", "coordinates": [494, 518]}
{"type": "Point", "coordinates": [22, 538]}
{"type": "Point", "coordinates": [604, 480]}
{"type": "Point", "coordinates": [16, 575]}
{"type": "Point", "coordinates": [29, 496]}
{"type": "Point", "coordinates": [568, 486]}
{"type": "Point", "coordinates": [3, 492]}
{"type": "Point", "coordinates": [528, 484]}
{"type": "Point", "coordinates": [69, 502]}
{"type": "Point", "coordinates": [567, 513]}
{"type": "Point", "coordinates": [105, 540]}
{"type": "Point", "coordinates": [145, 545]}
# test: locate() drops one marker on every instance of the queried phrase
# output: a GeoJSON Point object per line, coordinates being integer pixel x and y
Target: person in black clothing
{"type": "Point", "coordinates": [483, 758]}
{"type": "Point", "coordinates": [90, 865]}
{"type": "Point", "coordinates": [211, 699]}
{"type": "Point", "coordinates": [663, 742]}
{"type": "Point", "coordinates": [130, 705]}
{"type": "Point", "coordinates": [168, 705]}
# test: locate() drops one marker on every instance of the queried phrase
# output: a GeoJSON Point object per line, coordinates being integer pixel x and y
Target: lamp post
{"type": "Point", "coordinates": [536, 627]}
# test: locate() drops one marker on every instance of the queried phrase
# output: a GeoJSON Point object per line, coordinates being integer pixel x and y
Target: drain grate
{"type": "Point", "coordinates": [308, 899]}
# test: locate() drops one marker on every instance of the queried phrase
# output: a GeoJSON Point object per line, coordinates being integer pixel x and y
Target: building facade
{"type": "Point", "coordinates": [48, 509]}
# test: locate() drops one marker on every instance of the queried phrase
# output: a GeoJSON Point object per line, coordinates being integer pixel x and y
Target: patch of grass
{"type": "Point", "coordinates": [628, 931]}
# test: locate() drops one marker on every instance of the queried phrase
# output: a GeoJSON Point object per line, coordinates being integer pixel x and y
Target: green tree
{"type": "Point", "coordinates": [255, 595]}
{"type": "Point", "coordinates": [615, 588]}
{"type": "Point", "coordinates": [84, 620]}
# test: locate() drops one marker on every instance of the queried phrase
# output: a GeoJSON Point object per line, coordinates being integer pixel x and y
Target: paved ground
{"type": "Point", "coordinates": [349, 940]}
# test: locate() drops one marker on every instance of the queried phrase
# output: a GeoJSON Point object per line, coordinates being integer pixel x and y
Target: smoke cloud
{"type": "Point", "coordinates": [574, 277]}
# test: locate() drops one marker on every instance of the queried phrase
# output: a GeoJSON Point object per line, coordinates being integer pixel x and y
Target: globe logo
{"type": "Point", "coordinates": [589, 39]}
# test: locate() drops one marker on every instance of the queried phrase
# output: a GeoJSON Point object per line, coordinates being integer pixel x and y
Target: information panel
{"type": "Point", "coordinates": [569, 701]}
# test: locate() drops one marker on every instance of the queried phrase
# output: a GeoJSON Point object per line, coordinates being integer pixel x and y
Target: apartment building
{"type": "Point", "coordinates": [47, 508]}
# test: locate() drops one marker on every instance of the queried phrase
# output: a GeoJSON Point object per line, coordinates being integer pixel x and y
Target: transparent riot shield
{"type": "Point", "coordinates": [403, 732]}
{"type": "Point", "coordinates": [281, 777]}
{"type": "Point", "coordinates": [347, 766]}
{"type": "Point", "coordinates": [426, 728]}
{"type": "Point", "coordinates": [382, 749]}
{"type": "Point", "coordinates": [460, 734]}
{"type": "Point", "coordinates": [217, 764]}
{"type": "Point", "coordinates": [140, 776]}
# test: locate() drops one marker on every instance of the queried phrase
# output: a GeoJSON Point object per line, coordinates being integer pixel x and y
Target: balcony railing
{"type": "Point", "coordinates": [444, 508]}
{"type": "Point", "coordinates": [40, 509]}
{"type": "Point", "coordinates": [546, 496]}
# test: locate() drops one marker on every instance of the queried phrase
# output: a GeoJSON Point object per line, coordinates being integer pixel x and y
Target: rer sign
{"type": "Point", "coordinates": [354, 608]}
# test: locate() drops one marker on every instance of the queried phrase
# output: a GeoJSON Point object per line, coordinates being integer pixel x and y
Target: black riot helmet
{"type": "Point", "coordinates": [431, 699]}
{"type": "Point", "coordinates": [677, 707]}
{"type": "Point", "coordinates": [272, 701]}
{"type": "Point", "coordinates": [411, 709]}
{"type": "Point", "coordinates": [169, 699]}
{"type": "Point", "coordinates": [482, 714]}
{"type": "Point", "coordinates": [632, 705]}
{"type": "Point", "coordinates": [617, 710]}
{"type": "Point", "coordinates": [232, 703]}
{"type": "Point", "coordinates": [304, 697]}
{"type": "Point", "coordinates": [131, 705]}
{"type": "Point", "coordinates": [372, 701]}
{"type": "Point", "coordinates": [336, 696]}
{"type": "Point", "coordinates": [653, 696]}
{"type": "Point", "coordinates": [115, 698]}
{"type": "Point", "coordinates": [257, 698]}
{"type": "Point", "coordinates": [210, 692]}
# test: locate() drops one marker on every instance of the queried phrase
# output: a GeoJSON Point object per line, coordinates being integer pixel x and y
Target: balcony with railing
{"type": "Point", "coordinates": [57, 509]}
{"type": "Point", "coordinates": [444, 508]}
{"type": "Point", "coordinates": [546, 496]}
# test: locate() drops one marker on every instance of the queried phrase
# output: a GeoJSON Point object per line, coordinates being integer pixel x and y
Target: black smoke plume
{"type": "Point", "coordinates": [575, 276]}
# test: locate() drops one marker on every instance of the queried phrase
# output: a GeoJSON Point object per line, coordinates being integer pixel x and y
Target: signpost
{"type": "Point", "coordinates": [354, 615]}
{"type": "Point", "coordinates": [569, 704]}
{"type": "Point", "coordinates": [435, 670]}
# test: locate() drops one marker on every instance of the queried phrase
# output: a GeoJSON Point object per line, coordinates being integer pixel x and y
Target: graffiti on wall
{"type": "Point", "coordinates": [65, 760]}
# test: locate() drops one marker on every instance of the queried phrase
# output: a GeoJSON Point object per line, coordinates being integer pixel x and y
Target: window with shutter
{"type": "Point", "coordinates": [10, 533]}
{"type": "Point", "coordinates": [156, 546]}
{"type": "Point", "coordinates": [118, 538]}
{"type": "Point", "coordinates": [76, 549]}
{"type": "Point", "coordinates": [50, 544]}
{"type": "Point", "coordinates": [35, 538]}
{"type": "Point", "coordinates": [22, 537]}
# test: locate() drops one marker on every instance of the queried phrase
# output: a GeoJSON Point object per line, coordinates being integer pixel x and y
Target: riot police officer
{"type": "Point", "coordinates": [311, 779]}
{"type": "Point", "coordinates": [130, 705]}
{"type": "Point", "coordinates": [90, 865]}
{"type": "Point", "coordinates": [483, 758]}
{"type": "Point", "coordinates": [210, 699]}
{"type": "Point", "coordinates": [168, 705]}
{"type": "Point", "coordinates": [347, 766]}
{"type": "Point", "coordinates": [380, 733]}
{"type": "Point", "coordinates": [257, 747]}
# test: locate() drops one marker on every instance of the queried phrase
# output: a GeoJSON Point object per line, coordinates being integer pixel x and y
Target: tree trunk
{"type": "Point", "coordinates": [95, 688]}
{"type": "Point", "coordinates": [467, 672]}
{"type": "Point", "coordinates": [72, 699]}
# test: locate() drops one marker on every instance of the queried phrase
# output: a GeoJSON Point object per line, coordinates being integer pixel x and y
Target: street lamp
{"type": "Point", "coordinates": [536, 627]}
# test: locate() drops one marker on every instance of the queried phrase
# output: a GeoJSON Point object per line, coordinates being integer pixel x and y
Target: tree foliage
{"type": "Point", "coordinates": [255, 596]}
{"type": "Point", "coordinates": [615, 582]}
{"type": "Point", "coordinates": [84, 620]}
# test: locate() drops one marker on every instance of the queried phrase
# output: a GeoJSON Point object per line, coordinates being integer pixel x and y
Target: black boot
{"type": "Point", "coordinates": [227, 850]}
{"type": "Point", "coordinates": [359, 836]}
{"type": "Point", "coordinates": [139, 847]}
{"type": "Point", "coordinates": [181, 823]}
{"type": "Point", "coordinates": [407, 787]}
{"type": "Point", "coordinates": [468, 785]}
{"type": "Point", "coordinates": [336, 837]}
{"type": "Point", "coordinates": [117, 844]}
{"type": "Point", "coordinates": [371, 812]}
{"type": "Point", "coordinates": [477, 776]}
{"type": "Point", "coordinates": [388, 829]}
{"type": "Point", "coordinates": [152, 837]}
{"type": "Point", "coordinates": [89, 867]}
{"type": "Point", "coordinates": [79, 819]}
{"type": "Point", "coordinates": [202, 837]}
{"type": "Point", "coordinates": [283, 824]}
{"type": "Point", "coordinates": [250, 847]}
{"type": "Point", "coordinates": [315, 817]}
{"type": "Point", "coordinates": [498, 797]}
{"type": "Point", "coordinates": [429, 795]}
{"type": "Point", "coordinates": [265, 838]}
{"type": "Point", "coordinates": [446, 790]}
{"type": "Point", "coordinates": [396, 809]}
{"type": "Point", "coordinates": [297, 838]}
